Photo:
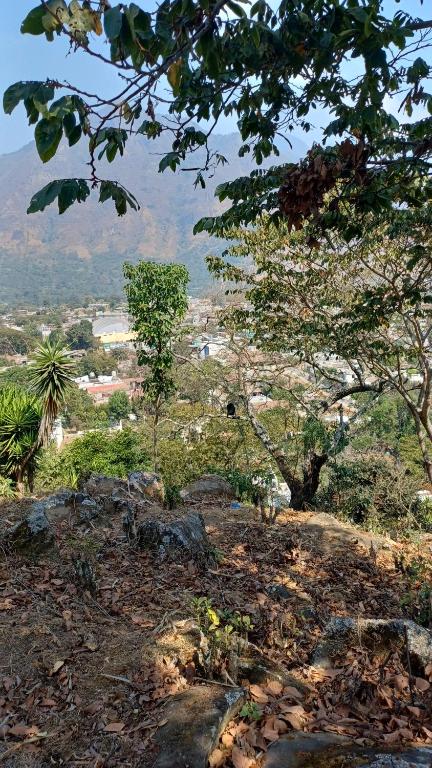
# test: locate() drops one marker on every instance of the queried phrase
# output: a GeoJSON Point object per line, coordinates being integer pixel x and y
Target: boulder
{"type": "Point", "coordinates": [146, 484]}
{"type": "Point", "coordinates": [208, 485]}
{"type": "Point", "coordinates": [341, 633]}
{"type": "Point", "coordinates": [196, 718]}
{"type": "Point", "coordinates": [110, 491]}
{"type": "Point", "coordinates": [33, 534]}
{"type": "Point", "coordinates": [77, 508]}
{"type": "Point", "coordinates": [181, 540]}
{"type": "Point", "coordinates": [316, 750]}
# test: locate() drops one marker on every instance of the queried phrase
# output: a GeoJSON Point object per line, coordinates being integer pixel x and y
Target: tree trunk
{"type": "Point", "coordinates": [155, 434]}
{"type": "Point", "coordinates": [302, 492]}
{"type": "Point", "coordinates": [423, 442]}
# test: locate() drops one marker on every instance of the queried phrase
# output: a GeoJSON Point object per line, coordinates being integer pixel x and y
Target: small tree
{"type": "Point", "coordinates": [118, 406]}
{"type": "Point", "coordinates": [157, 302]}
{"type": "Point", "coordinates": [80, 335]}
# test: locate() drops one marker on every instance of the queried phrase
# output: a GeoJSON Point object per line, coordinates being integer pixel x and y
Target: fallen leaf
{"type": "Point", "coordinates": [227, 739]}
{"type": "Point", "coordinates": [293, 720]}
{"type": "Point", "coordinates": [216, 759]}
{"type": "Point", "coordinates": [24, 730]}
{"type": "Point", "coordinates": [422, 685]}
{"type": "Point", "coordinates": [240, 760]}
{"type": "Point", "coordinates": [57, 666]}
{"type": "Point", "coordinates": [67, 618]}
{"type": "Point", "coordinates": [6, 605]}
{"type": "Point", "coordinates": [274, 688]}
{"type": "Point", "coordinates": [294, 693]}
{"type": "Point", "coordinates": [48, 703]}
{"type": "Point", "coordinates": [258, 694]}
{"type": "Point", "coordinates": [114, 727]}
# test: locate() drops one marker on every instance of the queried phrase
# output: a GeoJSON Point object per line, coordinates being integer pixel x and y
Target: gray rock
{"type": "Point", "coordinates": [77, 508]}
{"type": "Point", "coordinates": [196, 718]}
{"type": "Point", "coordinates": [183, 539]}
{"type": "Point", "coordinates": [208, 485]}
{"type": "Point", "coordinates": [110, 491]}
{"type": "Point", "coordinates": [33, 534]}
{"type": "Point", "coordinates": [146, 484]}
{"type": "Point", "coordinates": [280, 592]}
{"type": "Point", "coordinates": [343, 632]}
{"type": "Point", "coordinates": [316, 750]}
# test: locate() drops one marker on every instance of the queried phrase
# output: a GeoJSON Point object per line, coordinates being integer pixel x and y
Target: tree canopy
{"type": "Point", "coordinates": [185, 65]}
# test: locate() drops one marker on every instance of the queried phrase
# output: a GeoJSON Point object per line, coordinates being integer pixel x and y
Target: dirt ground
{"type": "Point", "coordinates": [78, 686]}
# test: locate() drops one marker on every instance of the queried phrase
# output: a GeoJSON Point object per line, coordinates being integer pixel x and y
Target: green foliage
{"type": "Point", "coordinates": [13, 342]}
{"type": "Point", "coordinates": [98, 362]}
{"type": "Point", "coordinates": [251, 710]}
{"type": "Point", "coordinates": [55, 469]}
{"type": "Point", "coordinates": [50, 376]}
{"type": "Point", "coordinates": [118, 406]}
{"type": "Point", "coordinates": [20, 418]}
{"type": "Point", "coordinates": [157, 302]}
{"type": "Point", "coordinates": [79, 412]}
{"type": "Point", "coordinates": [7, 490]}
{"type": "Point", "coordinates": [114, 454]}
{"type": "Point", "coordinates": [225, 631]}
{"type": "Point", "coordinates": [269, 66]}
{"type": "Point", "coordinates": [372, 490]}
{"type": "Point", "coordinates": [80, 335]}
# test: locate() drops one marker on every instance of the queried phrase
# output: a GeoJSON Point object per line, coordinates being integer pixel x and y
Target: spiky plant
{"type": "Point", "coordinates": [50, 375]}
{"type": "Point", "coordinates": [20, 417]}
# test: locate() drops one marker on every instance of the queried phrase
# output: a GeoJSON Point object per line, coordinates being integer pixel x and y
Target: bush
{"type": "Point", "coordinates": [372, 490]}
{"type": "Point", "coordinates": [6, 488]}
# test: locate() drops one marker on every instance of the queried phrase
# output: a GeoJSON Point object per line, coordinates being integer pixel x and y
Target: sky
{"type": "Point", "coordinates": [24, 57]}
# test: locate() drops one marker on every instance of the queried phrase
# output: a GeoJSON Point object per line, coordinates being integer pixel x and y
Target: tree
{"type": "Point", "coordinates": [118, 406]}
{"type": "Point", "coordinates": [50, 375]}
{"type": "Point", "coordinates": [97, 361]}
{"type": "Point", "coordinates": [269, 67]}
{"type": "Point", "coordinates": [365, 306]}
{"type": "Point", "coordinates": [80, 335]}
{"type": "Point", "coordinates": [14, 342]}
{"type": "Point", "coordinates": [113, 455]}
{"type": "Point", "coordinates": [157, 302]}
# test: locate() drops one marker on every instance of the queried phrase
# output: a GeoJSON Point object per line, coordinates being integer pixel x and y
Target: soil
{"type": "Point", "coordinates": [78, 687]}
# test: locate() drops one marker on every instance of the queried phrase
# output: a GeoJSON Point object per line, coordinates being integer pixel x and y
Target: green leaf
{"type": "Point", "coordinates": [174, 75]}
{"type": "Point", "coordinates": [24, 90]}
{"type": "Point", "coordinates": [68, 191]}
{"type": "Point", "coordinates": [113, 19]}
{"type": "Point", "coordinates": [48, 135]}
{"type": "Point", "coordinates": [111, 190]}
{"type": "Point", "coordinates": [32, 24]}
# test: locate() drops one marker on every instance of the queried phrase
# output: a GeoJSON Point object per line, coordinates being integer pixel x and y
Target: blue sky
{"type": "Point", "coordinates": [24, 57]}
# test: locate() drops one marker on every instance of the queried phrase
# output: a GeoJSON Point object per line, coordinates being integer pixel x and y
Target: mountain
{"type": "Point", "coordinates": [49, 259]}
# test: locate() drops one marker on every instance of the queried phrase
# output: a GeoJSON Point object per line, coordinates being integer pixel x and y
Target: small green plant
{"type": "Point", "coordinates": [251, 710]}
{"type": "Point", "coordinates": [226, 633]}
{"type": "Point", "coordinates": [6, 488]}
{"type": "Point", "coordinates": [172, 497]}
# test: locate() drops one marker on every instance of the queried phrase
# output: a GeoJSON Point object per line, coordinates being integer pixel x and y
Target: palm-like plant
{"type": "Point", "coordinates": [20, 418]}
{"type": "Point", "coordinates": [50, 376]}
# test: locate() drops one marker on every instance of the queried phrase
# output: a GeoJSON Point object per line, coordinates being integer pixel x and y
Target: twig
{"type": "Point", "coordinates": [16, 747]}
{"type": "Point", "coordinates": [216, 682]}
{"type": "Point", "coordinates": [121, 679]}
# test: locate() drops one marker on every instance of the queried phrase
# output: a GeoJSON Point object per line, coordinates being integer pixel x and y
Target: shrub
{"type": "Point", "coordinates": [374, 491]}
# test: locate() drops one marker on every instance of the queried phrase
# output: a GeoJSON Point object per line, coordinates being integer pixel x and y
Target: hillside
{"type": "Point", "coordinates": [115, 663]}
{"type": "Point", "coordinates": [52, 259]}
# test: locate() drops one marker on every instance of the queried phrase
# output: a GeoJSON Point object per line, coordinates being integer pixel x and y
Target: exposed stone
{"type": "Point", "coordinates": [343, 632]}
{"type": "Point", "coordinates": [280, 592]}
{"type": "Point", "coordinates": [196, 717]}
{"type": "Point", "coordinates": [328, 750]}
{"type": "Point", "coordinates": [208, 485]}
{"type": "Point", "coordinates": [146, 484]}
{"type": "Point", "coordinates": [182, 539]}
{"type": "Point", "coordinates": [33, 534]}
{"type": "Point", "coordinates": [110, 491]}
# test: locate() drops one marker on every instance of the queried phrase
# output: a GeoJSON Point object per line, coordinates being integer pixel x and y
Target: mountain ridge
{"type": "Point", "coordinates": [50, 259]}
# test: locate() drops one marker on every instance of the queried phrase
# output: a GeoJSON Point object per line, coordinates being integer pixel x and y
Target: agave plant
{"type": "Point", "coordinates": [50, 375]}
{"type": "Point", "coordinates": [20, 418]}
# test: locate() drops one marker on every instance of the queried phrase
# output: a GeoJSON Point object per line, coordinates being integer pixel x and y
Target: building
{"type": "Point", "coordinates": [117, 340]}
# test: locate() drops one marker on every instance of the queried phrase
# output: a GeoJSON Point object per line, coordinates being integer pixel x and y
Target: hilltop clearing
{"type": "Point", "coordinates": [89, 670]}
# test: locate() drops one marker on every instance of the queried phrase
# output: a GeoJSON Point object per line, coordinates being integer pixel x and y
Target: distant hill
{"type": "Point", "coordinates": [47, 258]}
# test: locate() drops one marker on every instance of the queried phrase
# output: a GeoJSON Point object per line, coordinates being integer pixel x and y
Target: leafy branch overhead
{"type": "Point", "coordinates": [185, 65]}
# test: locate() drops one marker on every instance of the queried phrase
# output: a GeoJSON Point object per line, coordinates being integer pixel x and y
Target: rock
{"type": "Point", "coordinates": [182, 539]}
{"type": "Point", "coordinates": [280, 592]}
{"type": "Point", "coordinates": [57, 506]}
{"type": "Point", "coordinates": [33, 534]}
{"type": "Point", "coordinates": [183, 643]}
{"type": "Point", "coordinates": [146, 484]}
{"type": "Point", "coordinates": [67, 505]}
{"type": "Point", "coordinates": [208, 485]}
{"type": "Point", "coordinates": [316, 750]}
{"type": "Point", "coordinates": [343, 632]}
{"type": "Point", "coordinates": [196, 718]}
{"type": "Point", "coordinates": [110, 491]}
